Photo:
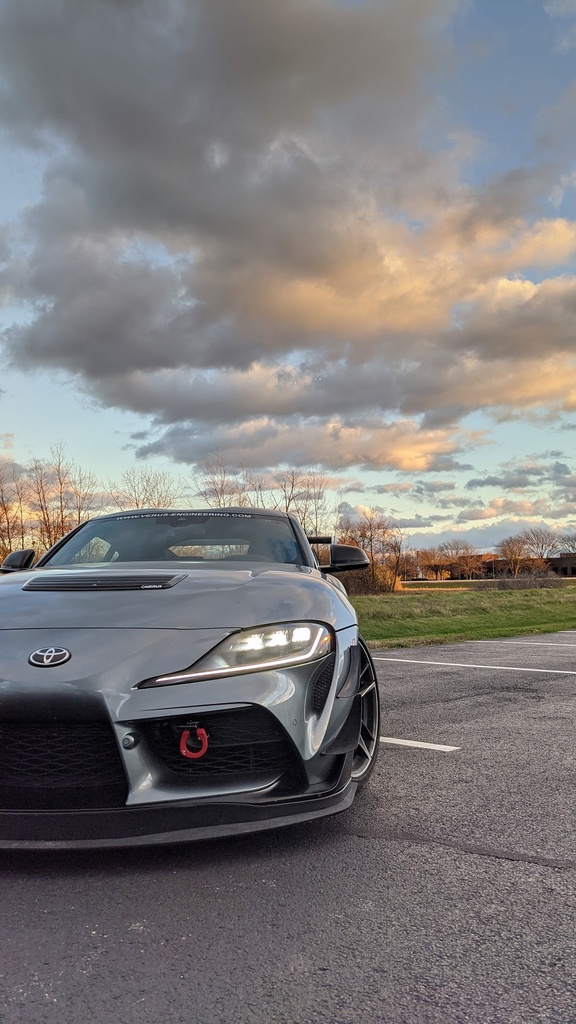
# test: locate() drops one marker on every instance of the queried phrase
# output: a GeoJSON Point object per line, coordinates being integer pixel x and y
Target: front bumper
{"type": "Point", "coordinates": [176, 822]}
{"type": "Point", "coordinates": [87, 765]}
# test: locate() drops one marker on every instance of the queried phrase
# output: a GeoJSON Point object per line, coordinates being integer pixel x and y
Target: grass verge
{"type": "Point", "coordinates": [405, 619]}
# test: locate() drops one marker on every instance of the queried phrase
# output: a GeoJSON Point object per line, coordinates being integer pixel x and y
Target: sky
{"type": "Point", "coordinates": [337, 234]}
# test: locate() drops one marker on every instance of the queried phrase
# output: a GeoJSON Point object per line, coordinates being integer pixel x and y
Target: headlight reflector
{"type": "Point", "coordinates": [253, 650]}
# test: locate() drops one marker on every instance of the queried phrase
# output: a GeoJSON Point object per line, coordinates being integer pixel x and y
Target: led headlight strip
{"type": "Point", "coordinates": [254, 650]}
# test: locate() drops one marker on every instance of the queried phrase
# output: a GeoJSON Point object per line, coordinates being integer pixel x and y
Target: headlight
{"type": "Point", "coordinates": [253, 650]}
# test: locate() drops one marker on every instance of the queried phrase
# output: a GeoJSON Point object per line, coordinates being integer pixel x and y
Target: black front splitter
{"type": "Point", "coordinates": [177, 822]}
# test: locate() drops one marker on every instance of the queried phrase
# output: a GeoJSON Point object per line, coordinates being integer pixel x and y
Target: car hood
{"type": "Point", "coordinates": [163, 597]}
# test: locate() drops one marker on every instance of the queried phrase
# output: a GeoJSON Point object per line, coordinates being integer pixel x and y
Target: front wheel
{"type": "Point", "coordinates": [366, 752]}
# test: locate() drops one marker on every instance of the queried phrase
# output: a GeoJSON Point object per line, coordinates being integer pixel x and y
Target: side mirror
{"type": "Point", "coordinates": [18, 560]}
{"type": "Point", "coordinates": [344, 557]}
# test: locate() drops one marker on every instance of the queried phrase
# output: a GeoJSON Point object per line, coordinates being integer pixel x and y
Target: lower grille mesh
{"type": "Point", "coordinates": [73, 765]}
{"type": "Point", "coordinates": [242, 743]}
{"type": "Point", "coordinates": [67, 764]}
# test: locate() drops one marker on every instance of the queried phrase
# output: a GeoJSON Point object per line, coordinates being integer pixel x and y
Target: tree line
{"type": "Point", "coordinates": [393, 559]}
{"type": "Point", "coordinates": [43, 501]}
{"type": "Point", "coordinates": [529, 551]}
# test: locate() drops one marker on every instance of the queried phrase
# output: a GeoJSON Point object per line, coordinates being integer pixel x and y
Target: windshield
{"type": "Point", "coordinates": [181, 537]}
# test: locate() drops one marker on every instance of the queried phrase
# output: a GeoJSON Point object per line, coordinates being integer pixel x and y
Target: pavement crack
{"type": "Point", "coordinates": [509, 692]}
{"type": "Point", "coordinates": [473, 849]}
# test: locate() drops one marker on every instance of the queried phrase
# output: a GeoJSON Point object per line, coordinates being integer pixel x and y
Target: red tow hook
{"type": "Point", "coordinates": [202, 738]}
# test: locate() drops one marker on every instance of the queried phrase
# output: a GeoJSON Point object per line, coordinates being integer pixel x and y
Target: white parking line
{"type": "Point", "coordinates": [466, 664]}
{"type": "Point", "coordinates": [526, 643]}
{"type": "Point", "coordinates": [416, 743]}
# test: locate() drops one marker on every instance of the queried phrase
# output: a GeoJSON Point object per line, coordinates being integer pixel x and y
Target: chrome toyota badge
{"type": "Point", "coordinates": [48, 656]}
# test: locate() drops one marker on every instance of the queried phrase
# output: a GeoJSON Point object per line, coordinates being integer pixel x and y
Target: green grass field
{"type": "Point", "coordinates": [405, 618]}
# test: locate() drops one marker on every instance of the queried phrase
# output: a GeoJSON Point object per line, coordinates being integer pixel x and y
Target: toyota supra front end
{"type": "Point", "coordinates": [170, 675]}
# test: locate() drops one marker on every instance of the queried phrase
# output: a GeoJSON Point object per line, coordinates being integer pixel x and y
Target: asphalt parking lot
{"type": "Point", "coordinates": [508, 706]}
{"type": "Point", "coordinates": [445, 895]}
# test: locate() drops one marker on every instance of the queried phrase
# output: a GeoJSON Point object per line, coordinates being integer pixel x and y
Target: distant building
{"type": "Point", "coordinates": [564, 564]}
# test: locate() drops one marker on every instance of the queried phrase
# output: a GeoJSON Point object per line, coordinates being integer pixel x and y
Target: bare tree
{"type": "Point", "coordinates": [394, 554]}
{"type": "Point", "coordinates": [21, 489]}
{"type": "Point", "coordinates": [84, 495]}
{"type": "Point", "coordinates": [382, 541]}
{"type": "Point", "coordinates": [568, 542]}
{"type": "Point", "coordinates": [409, 567]}
{"type": "Point", "coordinates": [309, 501]}
{"type": "Point", "coordinates": [45, 521]}
{"type": "Point", "coordinates": [462, 558]}
{"type": "Point", "coordinates": [61, 470]}
{"type": "Point", "coordinates": [370, 530]}
{"type": "Point", "coordinates": [142, 487]}
{"type": "Point", "coordinates": [291, 486]}
{"type": "Point", "coordinates": [58, 496]}
{"type": "Point", "coordinates": [515, 553]}
{"type": "Point", "coordinates": [433, 562]}
{"type": "Point", "coordinates": [540, 542]}
{"type": "Point", "coordinates": [304, 494]}
{"type": "Point", "coordinates": [219, 484]}
{"type": "Point", "coordinates": [9, 512]}
{"type": "Point", "coordinates": [258, 492]}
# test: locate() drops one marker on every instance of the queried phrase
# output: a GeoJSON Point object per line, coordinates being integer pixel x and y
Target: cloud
{"type": "Point", "coordinates": [564, 495]}
{"type": "Point", "coordinates": [431, 488]}
{"type": "Point", "coordinates": [269, 442]}
{"type": "Point", "coordinates": [455, 501]}
{"type": "Point", "coordinates": [484, 536]}
{"type": "Point", "coordinates": [259, 229]}
{"type": "Point", "coordinates": [355, 512]}
{"type": "Point", "coordinates": [418, 522]}
{"type": "Point", "coordinates": [395, 489]}
{"type": "Point", "coordinates": [524, 475]}
{"type": "Point", "coordinates": [499, 507]}
{"type": "Point", "coordinates": [565, 9]}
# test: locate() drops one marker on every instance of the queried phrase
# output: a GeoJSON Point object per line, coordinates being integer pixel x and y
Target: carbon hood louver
{"type": "Point", "coordinates": [107, 581]}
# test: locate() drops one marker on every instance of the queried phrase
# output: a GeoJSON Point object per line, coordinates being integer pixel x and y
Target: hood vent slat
{"type": "Point", "coordinates": [107, 581]}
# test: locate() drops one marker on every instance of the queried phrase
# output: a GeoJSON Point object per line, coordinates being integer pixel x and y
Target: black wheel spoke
{"type": "Point", "coordinates": [364, 747]}
{"type": "Point", "coordinates": [367, 733]}
{"type": "Point", "coordinates": [367, 749]}
{"type": "Point", "coordinates": [367, 689]}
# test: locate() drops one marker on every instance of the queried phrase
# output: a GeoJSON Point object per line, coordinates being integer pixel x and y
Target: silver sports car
{"type": "Point", "coordinates": [176, 675]}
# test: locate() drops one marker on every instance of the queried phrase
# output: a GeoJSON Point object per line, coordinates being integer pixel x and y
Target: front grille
{"type": "Point", "coordinates": [62, 764]}
{"type": "Point", "coordinates": [107, 581]}
{"type": "Point", "coordinates": [242, 744]}
{"type": "Point", "coordinates": [322, 683]}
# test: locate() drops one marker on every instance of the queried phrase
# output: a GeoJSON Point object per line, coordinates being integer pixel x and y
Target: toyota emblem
{"type": "Point", "coordinates": [48, 656]}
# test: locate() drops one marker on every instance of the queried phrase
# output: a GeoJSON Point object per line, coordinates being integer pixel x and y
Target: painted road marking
{"type": "Point", "coordinates": [416, 743]}
{"type": "Point", "coordinates": [465, 664]}
{"type": "Point", "coordinates": [526, 643]}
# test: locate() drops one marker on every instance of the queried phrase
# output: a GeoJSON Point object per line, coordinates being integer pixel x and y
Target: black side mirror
{"type": "Point", "coordinates": [344, 557]}
{"type": "Point", "coordinates": [18, 560]}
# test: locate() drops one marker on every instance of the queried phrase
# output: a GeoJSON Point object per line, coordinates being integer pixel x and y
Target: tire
{"type": "Point", "coordinates": [366, 753]}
